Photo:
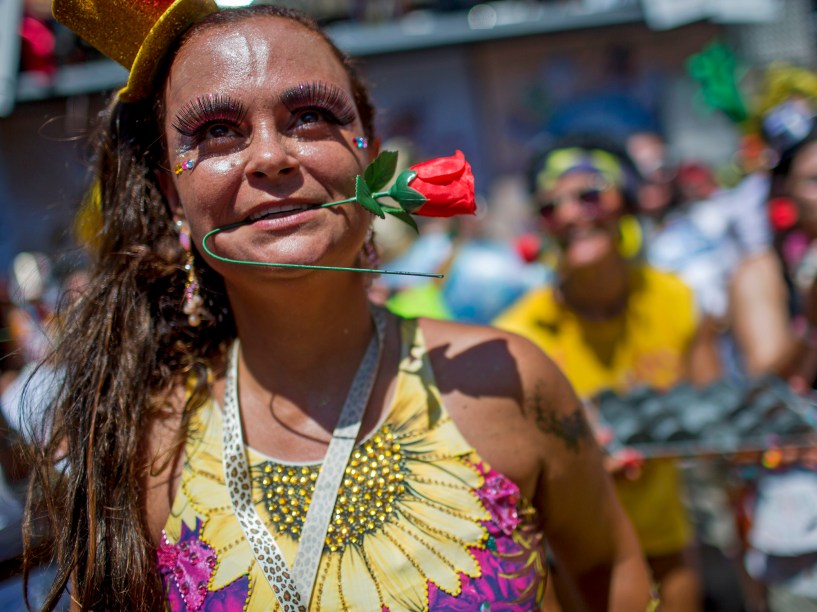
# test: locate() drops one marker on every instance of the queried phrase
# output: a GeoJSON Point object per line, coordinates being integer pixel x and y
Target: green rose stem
{"type": "Point", "coordinates": [267, 264]}
{"type": "Point", "coordinates": [377, 174]}
{"type": "Point", "coordinates": [381, 194]}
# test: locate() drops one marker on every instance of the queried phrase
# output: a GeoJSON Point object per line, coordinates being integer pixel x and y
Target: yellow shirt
{"type": "Point", "coordinates": [645, 345]}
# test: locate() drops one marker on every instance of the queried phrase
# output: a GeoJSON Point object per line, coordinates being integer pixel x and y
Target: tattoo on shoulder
{"type": "Point", "coordinates": [571, 428]}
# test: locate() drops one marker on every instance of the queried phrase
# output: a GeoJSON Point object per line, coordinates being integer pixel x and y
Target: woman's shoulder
{"type": "Point", "coordinates": [507, 397]}
{"type": "Point", "coordinates": [482, 362]}
{"type": "Point", "coordinates": [489, 350]}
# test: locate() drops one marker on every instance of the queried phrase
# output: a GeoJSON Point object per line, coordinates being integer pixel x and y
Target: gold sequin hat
{"type": "Point", "coordinates": [135, 33]}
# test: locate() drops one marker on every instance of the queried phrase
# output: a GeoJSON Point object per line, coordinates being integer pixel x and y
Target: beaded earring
{"type": "Point", "coordinates": [193, 302]}
{"type": "Point", "coordinates": [630, 237]}
{"type": "Point", "coordinates": [361, 142]}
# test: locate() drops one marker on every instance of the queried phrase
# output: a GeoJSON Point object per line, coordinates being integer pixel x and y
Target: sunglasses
{"type": "Point", "coordinates": [589, 198]}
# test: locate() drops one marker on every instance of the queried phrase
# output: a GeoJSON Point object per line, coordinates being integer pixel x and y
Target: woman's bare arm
{"type": "Point", "coordinates": [760, 316]}
{"type": "Point", "coordinates": [762, 324]}
{"type": "Point", "coordinates": [521, 415]}
{"type": "Point", "coordinates": [703, 362]}
{"type": "Point", "coordinates": [585, 524]}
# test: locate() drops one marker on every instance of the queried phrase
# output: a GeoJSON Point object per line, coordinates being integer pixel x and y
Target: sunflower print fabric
{"type": "Point", "coordinates": [420, 522]}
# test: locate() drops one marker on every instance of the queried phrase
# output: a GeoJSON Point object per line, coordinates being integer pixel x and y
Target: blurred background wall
{"type": "Point", "coordinates": [492, 79]}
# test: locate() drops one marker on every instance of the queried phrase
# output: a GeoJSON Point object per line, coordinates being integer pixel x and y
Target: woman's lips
{"type": "Point", "coordinates": [279, 211]}
{"type": "Point", "coordinates": [283, 215]}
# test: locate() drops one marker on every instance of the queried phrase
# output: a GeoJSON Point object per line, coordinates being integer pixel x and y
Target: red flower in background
{"type": "Point", "coordinates": [528, 247]}
{"type": "Point", "coordinates": [782, 214]}
{"type": "Point", "coordinates": [37, 48]}
{"type": "Point", "coordinates": [447, 183]}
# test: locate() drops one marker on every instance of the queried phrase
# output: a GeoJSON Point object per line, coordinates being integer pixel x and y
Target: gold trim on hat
{"type": "Point", "coordinates": [171, 24]}
{"type": "Point", "coordinates": [127, 32]}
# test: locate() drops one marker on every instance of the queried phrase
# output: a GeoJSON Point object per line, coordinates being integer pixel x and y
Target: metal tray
{"type": "Point", "coordinates": [723, 419]}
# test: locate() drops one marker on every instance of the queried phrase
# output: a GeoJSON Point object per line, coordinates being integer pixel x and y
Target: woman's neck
{"type": "Point", "coordinates": [298, 322]}
{"type": "Point", "coordinates": [599, 291]}
{"type": "Point", "coordinates": [302, 342]}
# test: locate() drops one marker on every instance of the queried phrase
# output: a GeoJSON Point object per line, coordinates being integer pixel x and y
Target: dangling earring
{"type": "Point", "coordinates": [192, 300]}
{"type": "Point", "coordinates": [630, 237]}
{"type": "Point", "coordinates": [370, 255]}
{"type": "Point", "coordinates": [361, 142]}
{"type": "Point", "coordinates": [193, 303]}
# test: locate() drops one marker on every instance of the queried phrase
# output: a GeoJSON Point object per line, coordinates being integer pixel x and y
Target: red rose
{"type": "Point", "coordinates": [447, 184]}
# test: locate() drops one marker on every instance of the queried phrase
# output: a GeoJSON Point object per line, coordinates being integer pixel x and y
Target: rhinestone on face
{"type": "Point", "coordinates": [367, 497]}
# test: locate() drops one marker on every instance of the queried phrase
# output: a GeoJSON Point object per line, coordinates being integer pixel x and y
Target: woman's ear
{"type": "Point", "coordinates": [168, 189]}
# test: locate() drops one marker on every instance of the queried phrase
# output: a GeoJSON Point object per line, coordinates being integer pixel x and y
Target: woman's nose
{"type": "Point", "coordinates": [570, 208]}
{"type": "Point", "coordinates": [271, 155]}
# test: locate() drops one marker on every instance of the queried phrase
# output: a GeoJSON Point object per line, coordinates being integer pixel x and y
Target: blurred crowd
{"type": "Point", "coordinates": [641, 273]}
{"type": "Point", "coordinates": [31, 295]}
{"type": "Point", "coordinates": [638, 273]}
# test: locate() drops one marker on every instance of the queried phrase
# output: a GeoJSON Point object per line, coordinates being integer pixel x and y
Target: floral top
{"type": "Point", "coordinates": [420, 522]}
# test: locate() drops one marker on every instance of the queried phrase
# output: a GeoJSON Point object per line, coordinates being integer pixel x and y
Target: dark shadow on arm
{"type": "Point", "coordinates": [487, 369]}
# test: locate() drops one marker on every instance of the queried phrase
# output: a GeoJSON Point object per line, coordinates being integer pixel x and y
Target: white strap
{"type": "Point", "coordinates": [294, 589]}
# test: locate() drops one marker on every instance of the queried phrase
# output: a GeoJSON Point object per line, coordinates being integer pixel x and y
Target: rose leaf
{"type": "Point", "coordinates": [379, 172]}
{"type": "Point", "coordinates": [363, 195]}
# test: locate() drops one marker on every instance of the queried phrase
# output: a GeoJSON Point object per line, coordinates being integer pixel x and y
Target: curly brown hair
{"type": "Point", "coordinates": [124, 346]}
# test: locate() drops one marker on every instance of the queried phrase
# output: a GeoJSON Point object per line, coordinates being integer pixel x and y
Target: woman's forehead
{"type": "Point", "coordinates": [258, 49]}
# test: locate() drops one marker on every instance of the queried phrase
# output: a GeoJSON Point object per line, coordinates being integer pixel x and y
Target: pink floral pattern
{"type": "Point", "coordinates": [186, 568]}
{"type": "Point", "coordinates": [500, 497]}
{"type": "Point", "coordinates": [512, 563]}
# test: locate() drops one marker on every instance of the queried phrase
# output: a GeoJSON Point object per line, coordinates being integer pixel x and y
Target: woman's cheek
{"type": "Point", "coordinates": [211, 182]}
{"type": "Point", "coordinates": [223, 166]}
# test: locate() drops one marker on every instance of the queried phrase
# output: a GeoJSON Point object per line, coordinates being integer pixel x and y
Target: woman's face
{"type": "Point", "coordinates": [265, 112]}
{"type": "Point", "coordinates": [581, 212]}
{"type": "Point", "coordinates": [802, 187]}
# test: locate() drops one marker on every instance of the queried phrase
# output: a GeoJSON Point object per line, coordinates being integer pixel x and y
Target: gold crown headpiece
{"type": "Point", "coordinates": [135, 33]}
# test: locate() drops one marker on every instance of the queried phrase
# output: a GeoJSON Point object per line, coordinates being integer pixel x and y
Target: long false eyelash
{"type": "Point", "coordinates": [328, 98]}
{"type": "Point", "coordinates": [206, 109]}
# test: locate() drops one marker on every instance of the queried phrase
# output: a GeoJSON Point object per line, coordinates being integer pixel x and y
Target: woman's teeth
{"type": "Point", "coordinates": [273, 212]}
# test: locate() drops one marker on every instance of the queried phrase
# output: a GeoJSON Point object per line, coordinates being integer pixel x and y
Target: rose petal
{"type": "Point", "coordinates": [442, 169]}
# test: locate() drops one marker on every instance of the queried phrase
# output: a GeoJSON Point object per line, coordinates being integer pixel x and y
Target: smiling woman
{"type": "Point", "coordinates": [260, 437]}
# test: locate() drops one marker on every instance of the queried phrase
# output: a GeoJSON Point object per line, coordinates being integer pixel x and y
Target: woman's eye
{"type": "Point", "coordinates": [218, 131]}
{"type": "Point", "coordinates": [310, 116]}
{"type": "Point", "coordinates": [314, 118]}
